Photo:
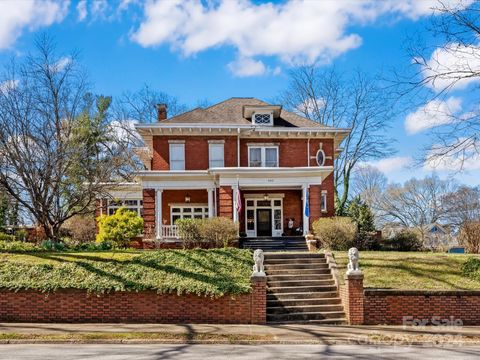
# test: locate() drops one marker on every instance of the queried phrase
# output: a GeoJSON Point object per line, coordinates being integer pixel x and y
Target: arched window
{"type": "Point", "coordinates": [320, 157]}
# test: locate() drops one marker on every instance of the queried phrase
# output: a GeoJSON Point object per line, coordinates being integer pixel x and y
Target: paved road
{"type": "Point", "coordinates": [213, 352]}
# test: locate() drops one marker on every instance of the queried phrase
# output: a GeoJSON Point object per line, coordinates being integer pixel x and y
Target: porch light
{"type": "Point", "coordinates": [265, 197]}
{"type": "Point", "coordinates": [187, 198]}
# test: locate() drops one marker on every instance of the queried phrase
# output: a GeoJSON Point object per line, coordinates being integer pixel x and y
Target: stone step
{"type": "Point", "coordinates": [339, 321]}
{"type": "Point", "coordinates": [296, 260]}
{"type": "Point", "coordinates": [301, 289]}
{"type": "Point", "coordinates": [312, 271]}
{"type": "Point", "coordinates": [304, 302]}
{"type": "Point", "coordinates": [299, 277]}
{"type": "Point", "coordinates": [296, 266]}
{"type": "Point", "coordinates": [293, 309]}
{"type": "Point", "coordinates": [299, 283]}
{"type": "Point", "coordinates": [306, 316]}
{"type": "Point", "coordinates": [293, 255]}
{"type": "Point", "coordinates": [295, 295]}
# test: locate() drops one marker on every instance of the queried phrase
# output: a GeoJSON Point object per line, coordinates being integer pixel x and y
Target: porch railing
{"type": "Point", "coordinates": [169, 232]}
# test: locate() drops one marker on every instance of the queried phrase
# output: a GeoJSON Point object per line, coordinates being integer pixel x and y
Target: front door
{"type": "Point", "coordinates": [264, 222]}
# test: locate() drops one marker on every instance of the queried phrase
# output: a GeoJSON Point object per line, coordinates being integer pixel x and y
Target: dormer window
{"type": "Point", "coordinates": [265, 119]}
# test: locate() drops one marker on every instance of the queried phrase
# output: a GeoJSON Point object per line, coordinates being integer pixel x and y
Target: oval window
{"type": "Point", "coordinates": [320, 157]}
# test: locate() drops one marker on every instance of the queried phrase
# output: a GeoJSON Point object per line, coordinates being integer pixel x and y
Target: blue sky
{"type": "Point", "coordinates": [197, 51]}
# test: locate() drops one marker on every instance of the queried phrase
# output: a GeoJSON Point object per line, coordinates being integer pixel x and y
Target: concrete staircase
{"type": "Point", "coordinates": [293, 243]}
{"type": "Point", "coordinates": [301, 289]}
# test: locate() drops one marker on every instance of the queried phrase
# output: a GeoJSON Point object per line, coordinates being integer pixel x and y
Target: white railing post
{"type": "Point", "coordinates": [210, 203]}
{"type": "Point", "coordinates": [158, 213]}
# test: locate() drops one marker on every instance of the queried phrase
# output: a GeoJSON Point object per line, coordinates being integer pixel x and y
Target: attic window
{"type": "Point", "coordinates": [263, 119]}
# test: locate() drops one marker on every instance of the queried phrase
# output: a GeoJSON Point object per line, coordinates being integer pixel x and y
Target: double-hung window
{"type": "Point", "coordinates": [216, 154]}
{"type": "Point", "coordinates": [135, 205]}
{"type": "Point", "coordinates": [177, 156]}
{"type": "Point", "coordinates": [263, 156]}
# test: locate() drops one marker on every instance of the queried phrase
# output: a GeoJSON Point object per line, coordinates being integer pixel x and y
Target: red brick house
{"type": "Point", "coordinates": [243, 159]}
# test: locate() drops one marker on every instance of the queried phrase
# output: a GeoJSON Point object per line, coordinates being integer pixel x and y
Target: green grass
{"type": "Point", "coordinates": [412, 270]}
{"type": "Point", "coordinates": [213, 272]}
{"type": "Point", "coordinates": [143, 336]}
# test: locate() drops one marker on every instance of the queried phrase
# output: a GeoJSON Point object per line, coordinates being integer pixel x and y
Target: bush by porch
{"type": "Point", "coordinates": [213, 272]}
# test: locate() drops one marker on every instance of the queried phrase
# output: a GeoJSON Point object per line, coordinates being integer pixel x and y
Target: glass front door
{"type": "Point", "coordinates": [264, 222]}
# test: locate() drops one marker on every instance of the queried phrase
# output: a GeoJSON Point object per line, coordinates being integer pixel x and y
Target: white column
{"type": "Point", "coordinates": [158, 213]}
{"type": "Point", "coordinates": [306, 222]}
{"type": "Point", "coordinates": [234, 202]}
{"type": "Point", "coordinates": [211, 206]}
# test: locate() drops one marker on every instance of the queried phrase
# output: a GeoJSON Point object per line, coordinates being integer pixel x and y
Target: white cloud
{"type": "Point", "coordinates": [464, 154]}
{"type": "Point", "coordinates": [391, 164]}
{"type": "Point", "coordinates": [82, 10]}
{"type": "Point", "coordinates": [309, 106]}
{"type": "Point", "coordinates": [434, 113]}
{"type": "Point", "coordinates": [247, 67]}
{"type": "Point", "coordinates": [293, 31]}
{"type": "Point", "coordinates": [8, 85]}
{"type": "Point", "coordinates": [449, 67]}
{"type": "Point", "coordinates": [16, 16]}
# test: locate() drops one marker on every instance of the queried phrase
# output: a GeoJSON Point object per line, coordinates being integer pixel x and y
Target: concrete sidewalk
{"type": "Point", "coordinates": [301, 333]}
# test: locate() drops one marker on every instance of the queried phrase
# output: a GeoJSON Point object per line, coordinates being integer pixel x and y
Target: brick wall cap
{"type": "Point", "coordinates": [398, 292]}
{"type": "Point", "coordinates": [258, 279]}
{"type": "Point", "coordinates": [353, 276]}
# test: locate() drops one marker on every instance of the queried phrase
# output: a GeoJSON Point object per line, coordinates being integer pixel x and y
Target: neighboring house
{"type": "Point", "coordinates": [242, 159]}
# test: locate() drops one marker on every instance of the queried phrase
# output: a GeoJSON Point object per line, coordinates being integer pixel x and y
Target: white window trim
{"type": "Point", "coordinates": [171, 146]}
{"type": "Point", "coordinates": [211, 145]}
{"type": "Point", "coordinates": [263, 154]}
{"type": "Point", "coordinates": [324, 157]}
{"type": "Point", "coordinates": [262, 113]}
{"type": "Point", "coordinates": [182, 206]}
{"type": "Point", "coordinates": [323, 201]}
{"type": "Point", "coordinates": [121, 203]}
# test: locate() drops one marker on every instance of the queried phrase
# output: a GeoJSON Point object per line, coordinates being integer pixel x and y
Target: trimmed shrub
{"type": "Point", "coordinates": [337, 233]}
{"type": "Point", "coordinates": [21, 235]}
{"type": "Point", "coordinates": [471, 268]}
{"type": "Point", "coordinates": [405, 240]}
{"type": "Point", "coordinates": [190, 233]}
{"type": "Point", "coordinates": [218, 231]}
{"type": "Point", "coordinates": [18, 247]}
{"type": "Point", "coordinates": [7, 237]}
{"type": "Point", "coordinates": [120, 227]}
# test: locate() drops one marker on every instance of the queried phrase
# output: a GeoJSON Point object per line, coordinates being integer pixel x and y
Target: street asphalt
{"type": "Point", "coordinates": [232, 352]}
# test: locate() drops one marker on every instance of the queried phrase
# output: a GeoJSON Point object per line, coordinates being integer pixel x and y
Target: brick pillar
{"type": "Point", "coordinates": [225, 199]}
{"type": "Point", "coordinates": [315, 194]}
{"type": "Point", "coordinates": [149, 213]}
{"type": "Point", "coordinates": [353, 299]}
{"type": "Point", "coordinates": [259, 300]}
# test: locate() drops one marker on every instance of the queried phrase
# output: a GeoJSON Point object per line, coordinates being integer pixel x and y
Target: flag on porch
{"type": "Point", "coordinates": [307, 204]}
{"type": "Point", "coordinates": [238, 201]}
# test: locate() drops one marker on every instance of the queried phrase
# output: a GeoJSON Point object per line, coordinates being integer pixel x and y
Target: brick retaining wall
{"type": "Point", "coordinates": [391, 306]}
{"type": "Point", "coordinates": [70, 305]}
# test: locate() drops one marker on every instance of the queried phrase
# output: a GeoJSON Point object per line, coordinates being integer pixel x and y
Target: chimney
{"type": "Point", "coordinates": [161, 112]}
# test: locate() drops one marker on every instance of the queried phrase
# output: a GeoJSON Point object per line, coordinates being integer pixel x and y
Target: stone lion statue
{"type": "Point", "coordinates": [353, 260]}
{"type": "Point", "coordinates": [258, 268]}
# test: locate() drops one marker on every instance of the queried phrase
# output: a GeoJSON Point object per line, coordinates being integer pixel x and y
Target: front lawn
{"type": "Point", "coordinates": [412, 270]}
{"type": "Point", "coordinates": [204, 272]}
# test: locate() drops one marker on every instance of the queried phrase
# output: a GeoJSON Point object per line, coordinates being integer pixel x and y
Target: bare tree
{"type": "Point", "coordinates": [357, 102]}
{"type": "Point", "coordinates": [369, 183]}
{"type": "Point", "coordinates": [57, 148]}
{"type": "Point", "coordinates": [417, 203]}
{"type": "Point", "coordinates": [463, 205]}
{"type": "Point", "coordinates": [141, 105]}
{"type": "Point", "coordinates": [437, 72]}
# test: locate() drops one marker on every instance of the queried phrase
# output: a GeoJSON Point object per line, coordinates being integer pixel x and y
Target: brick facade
{"type": "Point", "coordinates": [225, 202]}
{"type": "Point", "coordinates": [68, 305]}
{"type": "Point", "coordinates": [149, 212]}
{"type": "Point", "coordinates": [391, 306]}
